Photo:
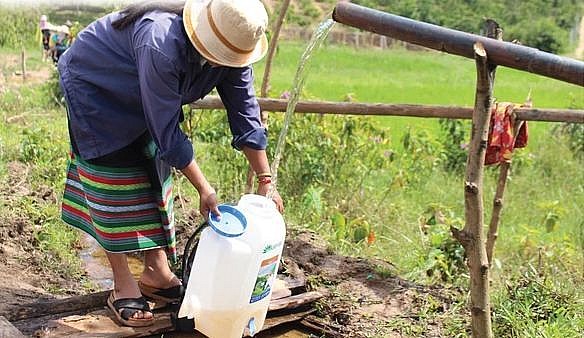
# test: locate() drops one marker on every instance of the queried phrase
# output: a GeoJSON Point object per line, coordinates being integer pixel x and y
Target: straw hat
{"type": "Point", "coordinates": [227, 32]}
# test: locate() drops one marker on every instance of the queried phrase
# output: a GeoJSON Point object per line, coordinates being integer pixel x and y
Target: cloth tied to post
{"type": "Point", "coordinates": [503, 137]}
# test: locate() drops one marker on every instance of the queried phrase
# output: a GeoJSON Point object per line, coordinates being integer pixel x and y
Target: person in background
{"type": "Point", "coordinates": [125, 80]}
{"type": "Point", "coordinates": [44, 27]}
{"type": "Point", "coordinates": [60, 41]}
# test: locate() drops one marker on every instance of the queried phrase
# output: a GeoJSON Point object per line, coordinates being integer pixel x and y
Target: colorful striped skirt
{"type": "Point", "coordinates": [124, 208]}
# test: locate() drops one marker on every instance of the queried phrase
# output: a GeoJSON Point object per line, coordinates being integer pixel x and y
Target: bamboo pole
{"type": "Point", "coordinates": [271, 51]}
{"type": "Point", "coordinates": [266, 80]}
{"type": "Point", "coordinates": [408, 110]}
{"type": "Point", "coordinates": [471, 236]}
{"type": "Point", "coordinates": [460, 43]}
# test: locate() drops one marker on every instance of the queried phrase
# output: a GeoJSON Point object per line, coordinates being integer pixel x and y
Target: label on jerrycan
{"type": "Point", "coordinates": [266, 276]}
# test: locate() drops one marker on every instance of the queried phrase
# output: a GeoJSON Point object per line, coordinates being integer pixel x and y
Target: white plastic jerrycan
{"type": "Point", "coordinates": [235, 265]}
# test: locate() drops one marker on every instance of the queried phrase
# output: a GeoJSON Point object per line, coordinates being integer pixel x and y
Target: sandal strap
{"type": "Point", "coordinates": [139, 303]}
{"type": "Point", "coordinates": [173, 292]}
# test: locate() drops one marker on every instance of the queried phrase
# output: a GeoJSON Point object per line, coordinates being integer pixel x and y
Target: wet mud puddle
{"type": "Point", "coordinates": [97, 265]}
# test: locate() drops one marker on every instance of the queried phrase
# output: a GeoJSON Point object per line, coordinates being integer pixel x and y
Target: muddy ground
{"type": "Point", "coordinates": [364, 298]}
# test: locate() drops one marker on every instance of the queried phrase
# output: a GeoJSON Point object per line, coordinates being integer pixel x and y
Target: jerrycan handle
{"type": "Point", "coordinates": [189, 253]}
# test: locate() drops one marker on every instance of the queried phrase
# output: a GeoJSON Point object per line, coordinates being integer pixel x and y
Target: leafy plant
{"type": "Point", "coordinates": [455, 144]}
{"type": "Point", "coordinates": [575, 135]}
{"type": "Point", "coordinates": [443, 258]}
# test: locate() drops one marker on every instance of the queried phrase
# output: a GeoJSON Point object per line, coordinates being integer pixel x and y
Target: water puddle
{"type": "Point", "coordinates": [316, 40]}
{"type": "Point", "coordinates": [97, 265]}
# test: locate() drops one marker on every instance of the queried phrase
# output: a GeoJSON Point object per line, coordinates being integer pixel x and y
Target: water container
{"type": "Point", "coordinates": [235, 265]}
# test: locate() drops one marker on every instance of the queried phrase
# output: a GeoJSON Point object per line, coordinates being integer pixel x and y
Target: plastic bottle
{"type": "Point", "coordinates": [235, 265]}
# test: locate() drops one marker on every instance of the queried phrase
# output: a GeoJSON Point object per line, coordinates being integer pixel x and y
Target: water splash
{"type": "Point", "coordinates": [316, 40]}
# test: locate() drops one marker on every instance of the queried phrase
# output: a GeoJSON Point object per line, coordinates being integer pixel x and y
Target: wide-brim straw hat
{"type": "Point", "coordinates": [227, 32]}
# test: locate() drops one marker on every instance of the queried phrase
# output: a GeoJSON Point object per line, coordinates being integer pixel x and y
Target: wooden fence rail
{"type": "Point", "coordinates": [412, 110]}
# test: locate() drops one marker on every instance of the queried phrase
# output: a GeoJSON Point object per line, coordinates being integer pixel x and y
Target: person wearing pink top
{"type": "Point", "coordinates": [44, 26]}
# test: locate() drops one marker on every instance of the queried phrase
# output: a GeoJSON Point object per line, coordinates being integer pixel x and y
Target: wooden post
{"type": "Point", "coordinates": [272, 51]}
{"type": "Point", "coordinates": [23, 63]}
{"type": "Point", "coordinates": [472, 237]}
{"type": "Point", "coordinates": [266, 79]}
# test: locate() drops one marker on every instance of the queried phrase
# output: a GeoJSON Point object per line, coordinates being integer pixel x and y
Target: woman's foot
{"type": "Point", "coordinates": [130, 311]}
{"type": "Point", "coordinates": [125, 287]}
{"type": "Point", "coordinates": [157, 282]}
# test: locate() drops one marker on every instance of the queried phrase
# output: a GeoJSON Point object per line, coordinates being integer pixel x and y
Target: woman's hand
{"type": "Point", "coordinates": [263, 190]}
{"type": "Point", "coordinates": [208, 202]}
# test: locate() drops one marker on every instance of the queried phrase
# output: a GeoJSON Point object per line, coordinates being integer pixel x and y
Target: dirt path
{"type": "Point", "coordinates": [365, 299]}
{"type": "Point", "coordinates": [11, 72]}
{"type": "Point", "coordinates": [27, 274]}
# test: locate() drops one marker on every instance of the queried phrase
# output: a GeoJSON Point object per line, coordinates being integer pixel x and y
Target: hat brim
{"type": "Point", "coordinates": [211, 47]}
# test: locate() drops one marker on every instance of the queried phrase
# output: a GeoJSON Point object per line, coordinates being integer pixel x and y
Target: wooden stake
{"type": "Point", "coordinates": [493, 233]}
{"type": "Point", "coordinates": [23, 63]}
{"type": "Point", "coordinates": [472, 237]}
{"type": "Point", "coordinates": [266, 80]}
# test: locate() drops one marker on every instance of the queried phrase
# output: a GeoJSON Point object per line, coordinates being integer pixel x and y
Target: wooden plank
{"type": "Point", "coordinates": [7, 330]}
{"type": "Point", "coordinates": [280, 290]}
{"type": "Point", "coordinates": [43, 308]}
{"type": "Point", "coordinates": [270, 323]}
{"type": "Point", "coordinates": [85, 303]}
{"type": "Point", "coordinates": [100, 323]}
{"type": "Point", "coordinates": [318, 325]}
{"type": "Point", "coordinates": [295, 301]}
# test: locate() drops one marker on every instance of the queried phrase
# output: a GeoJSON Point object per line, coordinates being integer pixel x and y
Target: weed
{"type": "Point", "coordinates": [444, 257]}
{"type": "Point", "coordinates": [533, 305]}
{"type": "Point", "coordinates": [455, 144]}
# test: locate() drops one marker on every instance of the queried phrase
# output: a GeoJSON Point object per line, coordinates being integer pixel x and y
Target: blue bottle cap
{"type": "Point", "coordinates": [232, 222]}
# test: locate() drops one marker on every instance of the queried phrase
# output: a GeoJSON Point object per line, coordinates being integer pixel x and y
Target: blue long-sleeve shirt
{"type": "Point", "coordinates": [119, 84]}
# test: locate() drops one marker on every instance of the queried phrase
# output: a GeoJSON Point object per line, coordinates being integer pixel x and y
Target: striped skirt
{"type": "Point", "coordinates": [124, 208]}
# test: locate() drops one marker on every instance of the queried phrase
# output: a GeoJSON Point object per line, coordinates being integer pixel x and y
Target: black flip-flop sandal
{"type": "Point", "coordinates": [125, 308]}
{"type": "Point", "coordinates": [162, 297]}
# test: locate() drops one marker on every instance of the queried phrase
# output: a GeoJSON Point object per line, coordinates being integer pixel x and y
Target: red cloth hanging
{"type": "Point", "coordinates": [502, 139]}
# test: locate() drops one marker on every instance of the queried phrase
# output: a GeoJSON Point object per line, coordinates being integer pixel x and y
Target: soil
{"type": "Point", "coordinates": [27, 274]}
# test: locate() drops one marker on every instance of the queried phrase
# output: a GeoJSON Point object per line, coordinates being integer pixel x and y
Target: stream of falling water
{"type": "Point", "coordinates": [318, 37]}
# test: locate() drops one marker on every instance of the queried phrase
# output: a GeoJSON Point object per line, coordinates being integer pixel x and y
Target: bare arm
{"type": "Point", "coordinates": [258, 160]}
{"type": "Point", "coordinates": [207, 195]}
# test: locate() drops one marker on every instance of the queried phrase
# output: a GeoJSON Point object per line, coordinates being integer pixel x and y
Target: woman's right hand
{"type": "Point", "coordinates": [208, 202]}
{"type": "Point", "coordinates": [207, 195]}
